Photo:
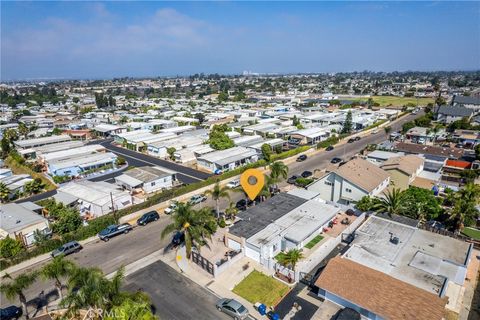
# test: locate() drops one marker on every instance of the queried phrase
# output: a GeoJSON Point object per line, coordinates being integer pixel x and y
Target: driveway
{"type": "Point", "coordinates": [173, 295]}
{"type": "Point", "coordinates": [136, 159]}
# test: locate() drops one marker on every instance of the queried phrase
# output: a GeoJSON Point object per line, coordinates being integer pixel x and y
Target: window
{"type": "Point", "coordinates": [152, 184]}
{"type": "Point", "coordinates": [328, 183]}
{"type": "Point", "coordinates": [348, 190]}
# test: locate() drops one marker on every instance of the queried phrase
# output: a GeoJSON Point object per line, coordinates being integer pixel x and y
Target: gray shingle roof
{"type": "Point", "coordinates": [456, 111]}
{"type": "Point", "coordinates": [466, 100]}
{"type": "Point", "coordinates": [258, 217]}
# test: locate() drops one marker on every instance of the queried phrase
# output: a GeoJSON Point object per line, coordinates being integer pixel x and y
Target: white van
{"type": "Point", "coordinates": [233, 184]}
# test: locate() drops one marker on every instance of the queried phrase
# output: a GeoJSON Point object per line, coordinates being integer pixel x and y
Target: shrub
{"type": "Point", "coordinates": [328, 142]}
{"type": "Point", "coordinates": [302, 182]}
{"type": "Point", "coordinates": [9, 247]}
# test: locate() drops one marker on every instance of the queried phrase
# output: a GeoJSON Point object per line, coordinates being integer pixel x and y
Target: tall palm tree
{"type": "Point", "coordinates": [56, 270]}
{"type": "Point", "coordinates": [391, 203]}
{"type": "Point", "coordinates": [4, 192]}
{"type": "Point", "coordinates": [217, 193]}
{"type": "Point", "coordinates": [23, 130]}
{"type": "Point", "coordinates": [87, 288]}
{"type": "Point", "coordinates": [292, 257]}
{"type": "Point", "coordinates": [231, 211]}
{"type": "Point", "coordinates": [16, 287]}
{"type": "Point", "coordinates": [278, 170]}
{"type": "Point", "coordinates": [197, 225]}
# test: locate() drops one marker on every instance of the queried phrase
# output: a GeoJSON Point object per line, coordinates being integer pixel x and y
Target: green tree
{"type": "Point", "coordinates": [218, 140]}
{"type": "Point", "coordinates": [231, 211]}
{"type": "Point", "coordinates": [387, 130]}
{"type": "Point", "coordinates": [266, 152]}
{"type": "Point", "coordinates": [477, 151]}
{"type": "Point", "coordinates": [9, 247]}
{"type": "Point", "coordinates": [57, 131]}
{"type": "Point", "coordinates": [23, 129]}
{"type": "Point", "coordinates": [131, 309]}
{"type": "Point", "coordinates": [218, 193]}
{"type": "Point", "coordinates": [291, 258]}
{"type": "Point", "coordinates": [197, 226]}
{"type": "Point", "coordinates": [222, 97]}
{"type": "Point", "coordinates": [15, 287]}
{"type": "Point", "coordinates": [295, 121]}
{"type": "Point", "coordinates": [407, 126]}
{"type": "Point", "coordinates": [366, 203]}
{"type": "Point", "coordinates": [68, 220]}
{"type": "Point", "coordinates": [440, 101]}
{"type": "Point", "coordinates": [200, 117]}
{"type": "Point", "coordinates": [171, 151]}
{"type": "Point", "coordinates": [421, 204]}
{"type": "Point", "coordinates": [391, 203]}
{"type": "Point", "coordinates": [278, 171]}
{"type": "Point", "coordinates": [347, 125]}
{"type": "Point", "coordinates": [4, 192]}
{"type": "Point", "coordinates": [57, 269]}
{"type": "Point", "coordinates": [35, 186]}
{"type": "Point", "coordinates": [120, 161]}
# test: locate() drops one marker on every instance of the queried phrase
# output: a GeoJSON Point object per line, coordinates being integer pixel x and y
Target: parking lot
{"type": "Point", "coordinates": [173, 295]}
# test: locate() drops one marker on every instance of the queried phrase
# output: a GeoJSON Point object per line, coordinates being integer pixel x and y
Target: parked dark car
{"type": "Point", "coordinates": [351, 140]}
{"type": "Point", "coordinates": [347, 314]}
{"type": "Point", "coordinates": [114, 230]}
{"type": "Point", "coordinates": [148, 217]}
{"type": "Point", "coordinates": [357, 138]}
{"type": "Point", "coordinates": [336, 160]}
{"type": "Point", "coordinates": [307, 174]}
{"type": "Point", "coordinates": [11, 312]}
{"type": "Point", "coordinates": [330, 148]}
{"type": "Point", "coordinates": [66, 249]}
{"type": "Point", "coordinates": [241, 204]}
{"type": "Point", "coordinates": [178, 238]}
{"type": "Point", "coordinates": [301, 158]}
{"type": "Point", "coordinates": [292, 179]}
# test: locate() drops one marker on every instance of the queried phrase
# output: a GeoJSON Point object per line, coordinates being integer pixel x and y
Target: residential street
{"type": "Point", "coordinates": [143, 241]}
{"type": "Point", "coordinates": [136, 159]}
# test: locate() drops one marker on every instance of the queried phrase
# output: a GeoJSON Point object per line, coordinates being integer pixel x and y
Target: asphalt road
{"type": "Point", "coordinates": [136, 159]}
{"type": "Point", "coordinates": [347, 150]}
{"type": "Point", "coordinates": [173, 295]}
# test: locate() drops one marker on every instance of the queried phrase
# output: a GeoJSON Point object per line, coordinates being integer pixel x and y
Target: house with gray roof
{"type": "Point", "coordinates": [21, 220]}
{"type": "Point", "coordinates": [147, 179]}
{"type": "Point", "coordinates": [449, 114]}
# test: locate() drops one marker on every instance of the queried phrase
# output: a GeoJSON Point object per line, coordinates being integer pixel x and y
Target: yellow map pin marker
{"type": "Point", "coordinates": [252, 181]}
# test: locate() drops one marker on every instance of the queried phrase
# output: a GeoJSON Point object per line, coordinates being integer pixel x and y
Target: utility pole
{"type": "Point", "coordinates": [113, 208]}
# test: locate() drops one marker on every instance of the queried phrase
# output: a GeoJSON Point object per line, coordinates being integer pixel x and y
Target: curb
{"type": "Point", "coordinates": [39, 259]}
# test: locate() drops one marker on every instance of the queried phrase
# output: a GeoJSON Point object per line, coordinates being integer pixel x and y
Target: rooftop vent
{"type": "Point", "coordinates": [393, 239]}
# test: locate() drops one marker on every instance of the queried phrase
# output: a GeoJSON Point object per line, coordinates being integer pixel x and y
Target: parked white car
{"type": "Point", "coordinates": [233, 184]}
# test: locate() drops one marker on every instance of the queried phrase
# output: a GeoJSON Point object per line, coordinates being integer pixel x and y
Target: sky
{"type": "Point", "coordinates": [115, 39]}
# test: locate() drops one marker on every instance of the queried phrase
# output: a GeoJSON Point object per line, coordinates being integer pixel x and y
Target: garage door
{"type": "Point", "coordinates": [251, 253]}
{"type": "Point", "coordinates": [232, 244]}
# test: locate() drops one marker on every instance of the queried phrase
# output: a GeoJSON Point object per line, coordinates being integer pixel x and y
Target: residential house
{"type": "Point", "coordinates": [351, 182]}
{"type": "Point", "coordinates": [466, 101]}
{"type": "Point", "coordinates": [21, 220]}
{"type": "Point", "coordinates": [449, 114]}
{"type": "Point", "coordinates": [96, 198]}
{"type": "Point", "coordinates": [38, 142]}
{"type": "Point", "coordinates": [403, 170]}
{"type": "Point", "coordinates": [228, 159]}
{"type": "Point", "coordinates": [146, 179]}
{"type": "Point", "coordinates": [108, 130]}
{"type": "Point", "coordinates": [310, 136]}
{"type": "Point", "coordinates": [378, 157]}
{"type": "Point", "coordinates": [468, 138]}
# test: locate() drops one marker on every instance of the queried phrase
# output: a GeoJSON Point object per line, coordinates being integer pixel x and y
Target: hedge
{"type": "Point", "coordinates": [102, 222]}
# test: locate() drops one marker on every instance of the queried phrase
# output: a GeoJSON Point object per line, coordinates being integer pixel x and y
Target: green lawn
{"type": "Point", "coordinates": [313, 242]}
{"type": "Point", "coordinates": [472, 233]}
{"type": "Point", "coordinates": [258, 287]}
{"type": "Point", "coordinates": [400, 101]}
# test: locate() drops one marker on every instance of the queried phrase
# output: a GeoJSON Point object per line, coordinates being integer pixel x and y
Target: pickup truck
{"type": "Point", "coordinates": [114, 230]}
{"type": "Point", "coordinates": [196, 199]}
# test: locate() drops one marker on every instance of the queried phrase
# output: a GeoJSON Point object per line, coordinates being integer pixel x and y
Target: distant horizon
{"type": "Point", "coordinates": [106, 40]}
{"type": "Point", "coordinates": [254, 74]}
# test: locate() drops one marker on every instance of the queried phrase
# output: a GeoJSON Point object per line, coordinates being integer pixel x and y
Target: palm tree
{"type": "Point", "coordinates": [435, 130]}
{"type": "Point", "coordinates": [23, 130]}
{"type": "Point", "coordinates": [292, 257]}
{"type": "Point", "coordinates": [471, 193]}
{"type": "Point", "coordinates": [197, 225]}
{"type": "Point", "coordinates": [231, 211]}
{"type": "Point", "coordinates": [387, 130]}
{"type": "Point", "coordinates": [217, 193]}
{"type": "Point", "coordinates": [391, 203]}
{"type": "Point", "coordinates": [35, 186]}
{"type": "Point", "coordinates": [278, 170]}
{"type": "Point", "coordinates": [4, 192]}
{"type": "Point", "coordinates": [87, 288]}
{"type": "Point", "coordinates": [17, 286]}
{"type": "Point", "coordinates": [57, 269]}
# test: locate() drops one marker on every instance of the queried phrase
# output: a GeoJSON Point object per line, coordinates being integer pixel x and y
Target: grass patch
{"type": "Point", "coordinates": [400, 101]}
{"type": "Point", "coordinates": [313, 242]}
{"type": "Point", "coordinates": [472, 233]}
{"type": "Point", "coordinates": [258, 287]}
